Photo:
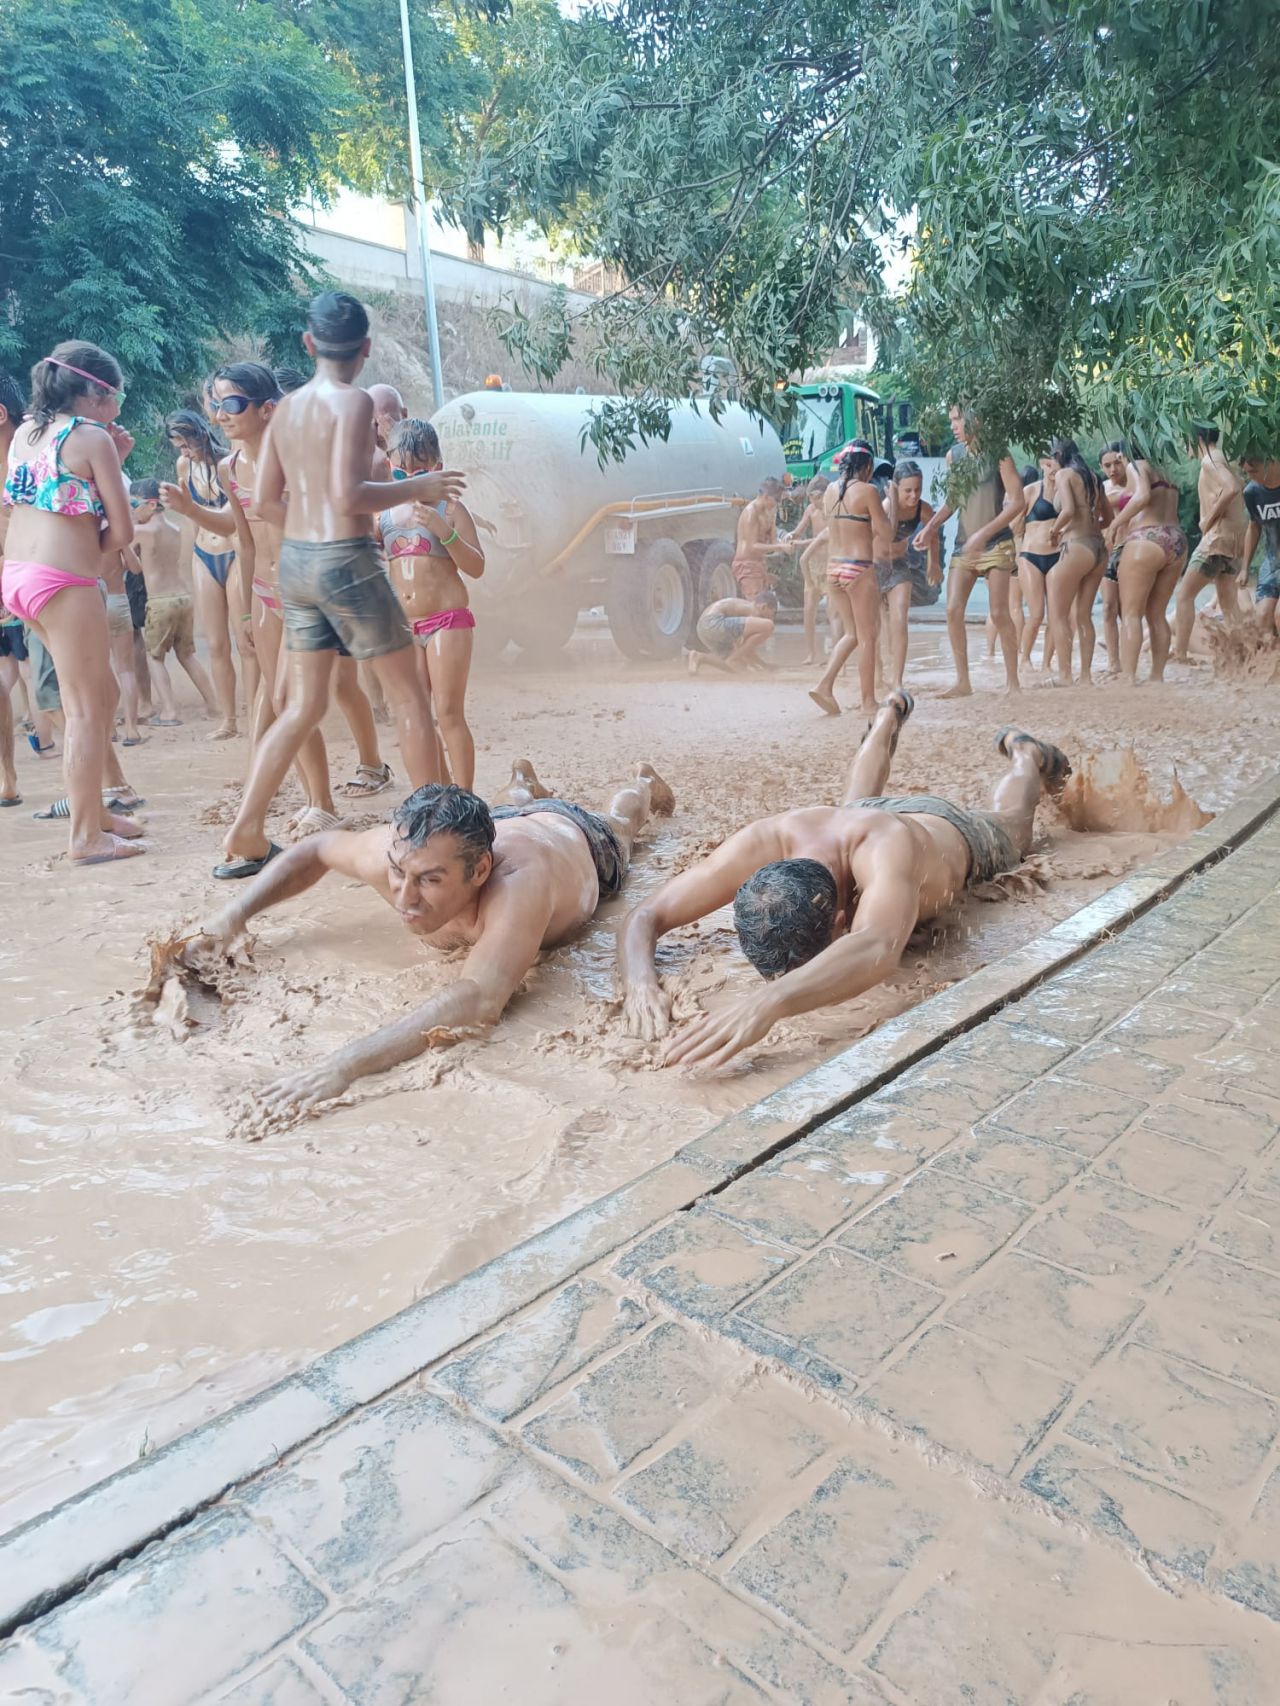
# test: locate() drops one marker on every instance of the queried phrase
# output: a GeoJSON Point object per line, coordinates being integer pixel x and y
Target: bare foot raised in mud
{"type": "Point", "coordinates": [662, 799]}
{"type": "Point", "coordinates": [524, 785]}
{"type": "Point", "coordinates": [825, 701]}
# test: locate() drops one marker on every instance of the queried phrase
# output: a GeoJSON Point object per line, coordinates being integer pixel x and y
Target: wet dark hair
{"type": "Point", "coordinates": [907, 470]}
{"type": "Point", "coordinates": [253, 379]}
{"type": "Point", "coordinates": [1117, 447]}
{"type": "Point", "coordinates": [1030, 475]}
{"type": "Point", "coordinates": [290, 379]}
{"type": "Point", "coordinates": [1066, 453]}
{"type": "Point", "coordinates": [443, 808]}
{"type": "Point", "coordinates": [771, 487]}
{"type": "Point", "coordinates": [147, 490]}
{"type": "Point", "coordinates": [1204, 433]}
{"type": "Point", "coordinates": [12, 401]}
{"type": "Point", "coordinates": [415, 440]}
{"type": "Point", "coordinates": [784, 915]}
{"type": "Point", "coordinates": [768, 599]}
{"type": "Point", "coordinates": [188, 424]}
{"type": "Point", "coordinates": [338, 323]}
{"type": "Point", "coordinates": [54, 389]}
{"type": "Point", "coordinates": [855, 462]}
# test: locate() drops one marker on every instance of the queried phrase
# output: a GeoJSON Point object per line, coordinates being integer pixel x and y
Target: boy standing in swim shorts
{"type": "Point", "coordinates": [313, 482]}
{"type": "Point", "coordinates": [170, 620]}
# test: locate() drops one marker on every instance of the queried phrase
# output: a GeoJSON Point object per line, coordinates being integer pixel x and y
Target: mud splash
{"type": "Point", "coordinates": [1113, 791]}
{"type": "Point", "coordinates": [1242, 654]}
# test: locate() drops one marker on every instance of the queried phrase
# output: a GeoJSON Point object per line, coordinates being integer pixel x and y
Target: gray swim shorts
{"type": "Point", "coordinates": [605, 848]}
{"type": "Point", "coordinates": [991, 848]}
{"type": "Point", "coordinates": [337, 597]}
{"type": "Point", "coordinates": [720, 633]}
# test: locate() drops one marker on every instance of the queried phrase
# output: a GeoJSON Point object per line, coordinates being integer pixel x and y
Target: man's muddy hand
{"type": "Point", "coordinates": [300, 1092]}
{"type": "Point", "coordinates": [712, 1041]}
{"type": "Point", "coordinates": [646, 1012]}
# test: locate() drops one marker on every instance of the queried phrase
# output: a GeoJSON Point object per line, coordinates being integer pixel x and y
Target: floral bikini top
{"type": "Point", "coordinates": [43, 483]}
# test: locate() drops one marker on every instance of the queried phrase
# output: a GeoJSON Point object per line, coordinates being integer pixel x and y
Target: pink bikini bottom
{"type": "Point", "coordinates": [26, 588]}
{"type": "Point", "coordinates": [267, 593]}
{"type": "Point", "coordinates": [441, 622]}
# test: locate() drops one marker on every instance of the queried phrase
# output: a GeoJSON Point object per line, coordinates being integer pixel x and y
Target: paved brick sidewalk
{"type": "Point", "coordinates": [973, 1395]}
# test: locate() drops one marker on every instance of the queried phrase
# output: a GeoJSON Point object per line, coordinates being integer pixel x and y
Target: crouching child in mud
{"type": "Point", "coordinates": [503, 884]}
{"type": "Point", "coordinates": [733, 630]}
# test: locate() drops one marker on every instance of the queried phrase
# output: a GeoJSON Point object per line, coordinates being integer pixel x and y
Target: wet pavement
{"type": "Point", "coordinates": [971, 1394]}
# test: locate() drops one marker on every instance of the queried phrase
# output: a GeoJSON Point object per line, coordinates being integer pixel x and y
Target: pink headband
{"type": "Point", "coordinates": [91, 377]}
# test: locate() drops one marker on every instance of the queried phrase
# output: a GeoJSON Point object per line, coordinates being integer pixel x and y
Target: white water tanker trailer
{"type": "Point", "coordinates": [650, 538]}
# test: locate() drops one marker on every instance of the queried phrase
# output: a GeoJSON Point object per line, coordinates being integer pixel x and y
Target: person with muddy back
{"type": "Point", "coordinates": [503, 884]}
{"type": "Point", "coordinates": [313, 481]}
{"type": "Point", "coordinates": [1216, 560]}
{"type": "Point", "coordinates": [825, 898]}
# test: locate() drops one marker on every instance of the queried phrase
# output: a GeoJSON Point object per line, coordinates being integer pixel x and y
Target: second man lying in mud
{"type": "Point", "coordinates": [503, 884]}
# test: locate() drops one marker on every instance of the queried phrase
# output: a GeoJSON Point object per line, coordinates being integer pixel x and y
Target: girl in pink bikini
{"type": "Point", "coordinates": [70, 516]}
{"type": "Point", "coordinates": [428, 552]}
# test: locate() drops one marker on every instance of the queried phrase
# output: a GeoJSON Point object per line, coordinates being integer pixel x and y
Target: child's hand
{"type": "Point", "coordinates": [436, 524]}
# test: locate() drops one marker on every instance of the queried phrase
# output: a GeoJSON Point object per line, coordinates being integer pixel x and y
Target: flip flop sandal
{"type": "Point", "coordinates": [232, 869]}
{"type": "Point", "coordinates": [163, 723]}
{"type": "Point", "coordinates": [33, 741]}
{"type": "Point", "coordinates": [314, 821]}
{"type": "Point", "coordinates": [1055, 766]}
{"type": "Point", "coordinates": [136, 741]}
{"type": "Point", "coordinates": [903, 704]}
{"type": "Point", "coordinates": [120, 849]}
{"type": "Point", "coordinates": [11, 800]}
{"type": "Point", "coordinates": [62, 808]}
{"type": "Point", "coordinates": [368, 779]}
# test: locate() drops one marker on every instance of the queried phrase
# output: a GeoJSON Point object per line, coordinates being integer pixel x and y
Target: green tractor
{"type": "Point", "coordinates": [818, 418]}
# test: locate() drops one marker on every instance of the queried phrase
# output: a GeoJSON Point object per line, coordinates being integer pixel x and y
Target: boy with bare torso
{"type": "Point", "coordinates": [757, 540]}
{"type": "Point", "coordinates": [170, 623]}
{"type": "Point", "coordinates": [314, 482]}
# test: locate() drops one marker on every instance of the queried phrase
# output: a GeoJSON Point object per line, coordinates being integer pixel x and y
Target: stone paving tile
{"type": "Point", "coordinates": [1164, 1167]}
{"type": "Point", "coordinates": [203, 1607]}
{"type": "Point", "coordinates": [29, 1677]}
{"type": "Point", "coordinates": [603, 1423]}
{"type": "Point", "coordinates": [703, 1493]}
{"type": "Point", "coordinates": [1118, 1066]}
{"type": "Point", "coordinates": [1248, 1569]}
{"type": "Point", "coordinates": [1237, 1070]}
{"type": "Point", "coordinates": [1248, 1228]}
{"type": "Point", "coordinates": [1267, 1178]}
{"type": "Point", "coordinates": [1152, 1520]}
{"type": "Point", "coordinates": [874, 1135]}
{"type": "Point", "coordinates": [1056, 1008]}
{"type": "Point", "coordinates": [1228, 1128]}
{"type": "Point", "coordinates": [378, 1485]}
{"type": "Point", "coordinates": [1081, 1117]}
{"type": "Point", "coordinates": [515, 1369]}
{"type": "Point", "coordinates": [951, 1093]}
{"type": "Point", "coordinates": [607, 1562]}
{"type": "Point", "coordinates": [1012, 1045]}
{"type": "Point", "coordinates": [833, 1563]}
{"type": "Point", "coordinates": [701, 1265]}
{"type": "Point", "coordinates": [1102, 1229]}
{"type": "Point", "coordinates": [846, 1310]}
{"type": "Point", "coordinates": [1023, 1167]}
{"type": "Point", "coordinates": [1232, 961]}
{"type": "Point", "coordinates": [1177, 1422]}
{"type": "Point", "coordinates": [1169, 1033]}
{"type": "Point", "coordinates": [801, 1197]}
{"type": "Point", "coordinates": [1059, 1318]}
{"type": "Point", "coordinates": [280, 1684]}
{"type": "Point", "coordinates": [1223, 1316]}
{"type": "Point", "coordinates": [935, 1228]}
{"type": "Point", "coordinates": [971, 1397]}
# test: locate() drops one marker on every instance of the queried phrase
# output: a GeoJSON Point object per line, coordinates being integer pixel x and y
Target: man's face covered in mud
{"type": "Point", "coordinates": [433, 883]}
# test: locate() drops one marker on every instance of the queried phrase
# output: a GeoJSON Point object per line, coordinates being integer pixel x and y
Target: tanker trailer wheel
{"type": "Point", "coordinates": [715, 573]}
{"type": "Point", "coordinates": [649, 601]}
{"type": "Point", "coordinates": [542, 624]}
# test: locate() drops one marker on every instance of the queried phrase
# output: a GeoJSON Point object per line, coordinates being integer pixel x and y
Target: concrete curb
{"type": "Point", "coordinates": [50, 1558]}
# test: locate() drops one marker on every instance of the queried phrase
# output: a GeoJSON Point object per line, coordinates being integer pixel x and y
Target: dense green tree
{"type": "Point", "coordinates": [1085, 189]}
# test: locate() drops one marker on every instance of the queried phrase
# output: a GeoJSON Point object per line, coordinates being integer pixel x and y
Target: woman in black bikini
{"type": "Point", "coordinates": [221, 600]}
{"type": "Point", "coordinates": [1037, 554]}
{"type": "Point", "coordinates": [856, 526]}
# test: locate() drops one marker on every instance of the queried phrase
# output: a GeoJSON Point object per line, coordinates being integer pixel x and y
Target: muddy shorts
{"type": "Point", "coordinates": [13, 642]}
{"type": "Point", "coordinates": [136, 587]}
{"type": "Point", "coordinates": [338, 597]}
{"type": "Point", "coordinates": [1211, 564]}
{"type": "Point", "coordinates": [896, 572]}
{"type": "Point", "coordinates": [119, 615]}
{"type": "Point", "coordinates": [991, 847]}
{"type": "Point", "coordinates": [1113, 565]}
{"type": "Point", "coordinates": [1000, 555]}
{"type": "Point", "coordinates": [605, 848]}
{"type": "Point", "coordinates": [720, 633]}
{"type": "Point", "coordinates": [170, 626]}
{"type": "Point", "coordinates": [1269, 578]}
{"type": "Point", "coordinates": [44, 677]}
{"type": "Point", "coordinates": [752, 576]}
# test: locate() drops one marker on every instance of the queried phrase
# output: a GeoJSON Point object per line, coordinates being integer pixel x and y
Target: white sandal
{"type": "Point", "coordinates": [315, 821]}
{"type": "Point", "coordinates": [368, 779]}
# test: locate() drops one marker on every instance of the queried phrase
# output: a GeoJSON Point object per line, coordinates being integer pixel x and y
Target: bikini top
{"type": "Point", "coordinates": [403, 539]}
{"type": "Point", "coordinates": [43, 483]}
{"type": "Point", "coordinates": [242, 494]}
{"type": "Point", "coordinates": [212, 496]}
{"type": "Point", "coordinates": [1043, 509]}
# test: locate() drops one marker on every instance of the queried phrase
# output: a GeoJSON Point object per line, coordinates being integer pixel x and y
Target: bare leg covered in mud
{"type": "Point", "coordinates": [503, 890]}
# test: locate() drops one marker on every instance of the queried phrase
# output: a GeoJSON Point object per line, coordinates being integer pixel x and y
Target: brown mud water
{"type": "Point", "coordinates": [159, 1268]}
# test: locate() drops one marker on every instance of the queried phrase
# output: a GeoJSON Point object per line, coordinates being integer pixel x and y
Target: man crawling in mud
{"type": "Point", "coordinates": [504, 884]}
{"type": "Point", "coordinates": [825, 898]}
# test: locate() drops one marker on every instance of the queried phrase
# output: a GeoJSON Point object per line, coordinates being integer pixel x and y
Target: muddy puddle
{"type": "Point", "coordinates": [158, 1266]}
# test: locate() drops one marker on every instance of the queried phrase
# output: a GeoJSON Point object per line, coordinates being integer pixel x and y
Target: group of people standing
{"type": "Point", "coordinates": [327, 539]}
{"type": "Point", "coordinates": [1046, 541]}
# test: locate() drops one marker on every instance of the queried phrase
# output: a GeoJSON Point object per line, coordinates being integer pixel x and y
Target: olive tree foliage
{"type": "Point", "coordinates": [1086, 191]}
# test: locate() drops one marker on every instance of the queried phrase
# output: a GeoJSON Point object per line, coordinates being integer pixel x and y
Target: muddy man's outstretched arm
{"type": "Point", "coordinates": [888, 908]}
{"type": "Point", "coordinates": [703, 888]}
{"type": "Point", "coordinates": [291, 873]}
{"type": "Point", "coordinates": [515, 924]}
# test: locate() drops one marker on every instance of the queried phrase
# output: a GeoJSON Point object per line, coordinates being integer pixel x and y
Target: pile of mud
{"type": "Point", "coordinates": [1113, 791]}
